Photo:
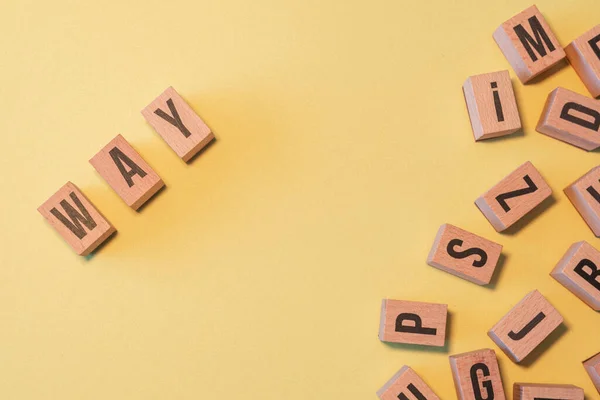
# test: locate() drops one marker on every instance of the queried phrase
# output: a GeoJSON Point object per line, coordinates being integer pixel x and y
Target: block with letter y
{"type": "Point", "coordinates": [412, 322]}
{"type": "Point", "coordinates": [76, 219]}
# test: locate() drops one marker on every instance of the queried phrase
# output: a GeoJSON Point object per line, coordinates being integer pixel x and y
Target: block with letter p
{"type": "Point", "coordinates": [529, 44]}
{"type": "Point", "coordinates": [584, 194]}
{"type": "Point", "coordinates": [76, 219]}
{"type": "Point", "coordinates": [477, 375]}
{"type": "Point", "coordinates": [464, 254]}
{"type": "Point", "coordinates": [513, 197]}
{"type": "Point", "coordinates": [406, 385]}
{"type": "Point", "coordinates": [525, 326]}
{"type": "Point", "coordinates": [412, 322]}
{"type": "Point", "coordinates": [584, 55]}
{"type": "Point", "coordinates": [579, 271]}
{"type": "Point", "coordinates": [546, 391]}
{"type": "Point", "coordinates": [571, 118]}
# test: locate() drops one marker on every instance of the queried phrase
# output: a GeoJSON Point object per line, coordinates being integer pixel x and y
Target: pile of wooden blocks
{"type": "Point", "coordinates": [72, 214]}
{"type": "Point", "coordinates": [532, 49]}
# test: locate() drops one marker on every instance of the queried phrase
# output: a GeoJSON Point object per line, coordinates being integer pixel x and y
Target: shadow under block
{"type": "Point", "coordinates": [529, 44]}
{"type": "Point", "coordinates": [513, 197]}
{"type": "Point", "coordinates": [126, 172]}
{"type": "Point", "coordinates": [584, 194]}
{"type": "Point", "coordinates": [412, 322]}
{"type": "Point", "coordinates": [406, 385]}
{"type": "Point", "coordinates": [571, 118]}
{"type": "Point", "coordinates": [584, 55]}
{"type": "Point", "coordinates": [464, 254]}
{"type": "Point", "coordinates": [579, 271]}
{"type": "Point", "coordinates": [76, 219]}
{"type": "Point", "coordinates": [539, 391]}
{"type": "Point", "coordinates": [492, 105]}
{"type": "Point", "coordinates": [178, 124]}
{"type": "Point", "coordinates": [592, 367]}
{"type": "Point", "coordinates": [477, 375]}
{"type": "Point", "coordinates": [525, 326]}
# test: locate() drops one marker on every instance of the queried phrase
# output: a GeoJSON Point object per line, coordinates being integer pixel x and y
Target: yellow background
{"type": "Point", "coordinates": [343, 144]}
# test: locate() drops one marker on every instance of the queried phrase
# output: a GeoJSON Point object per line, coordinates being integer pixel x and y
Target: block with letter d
{"type": "Point", "coordinates": [412, 322]}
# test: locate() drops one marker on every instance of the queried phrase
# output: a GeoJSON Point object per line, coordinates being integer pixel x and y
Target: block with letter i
{"type": "Point", "coordinates": [525, 326]}
{"type": "Point", "coordinates": [492, 105]}
{"type": "Point", "coordinates": [406, 385]}
{"type": "Point", "coordinates": [464, 254]}
{"type": "Point", "coordinates": [76, 219]}
{"type": "Point", "coordinates": [513, 197]}
{"type": "Point", "coordinates": [546, 391]}
{"type": "Point", "coordinates": [571, 118]}
{"type": "Point", "coordinates": [477, 375]}
{"type": "Point", "coordinates": [412, 322]}
{"type": "Point", "coordinates": [579, 271]}
{"type": "Point", "coordinates": [584, 194]}
{"type": "Point", "coordinates": [529, 44]}
{"type": "Point", "coordinates": [178, 124]}
{"type": "Point", "coordinates": [592, 367]}
{"type": "Point", "coordinates": [126, 172]}
{"type": "Point", "coordinates": [584, 55]}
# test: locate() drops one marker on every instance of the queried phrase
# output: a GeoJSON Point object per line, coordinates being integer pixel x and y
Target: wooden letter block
{"type": "Point", "coordinates": [492, 105]}
{"type": "Point", "coordinates": [592, 366]}
{"type": "Point", "coordinates": [520, 331]}
{"type": "Point", "coordinates": [76, 219]}
{"type": "Point", "coordinates": [464, 254]}
{"type": "Point", "coordinates": [579, 271]}
{"type": "Point", "coordinates": [536, 391]}
{"type": "Point", "coordinates": [571, 118]}
{"type": "Point", "coordinates": [406, 385]}
{"type": "Point", "coordinates": [178, 124]}
{"type": "Point", "coordinates": [529, 44]}
{"type": "Point", "coordinates": [412, 322]}
{"type": "Point", "coordinates": [584, 55]}
{"type": "Point", "coordinates": [126, 172]}
{"type": "Point", "coordinates": [585, 196]}
{"type": "Point", "coordinates": [513, 197]}
{"type": "Point", "coordinates": [477, 375]}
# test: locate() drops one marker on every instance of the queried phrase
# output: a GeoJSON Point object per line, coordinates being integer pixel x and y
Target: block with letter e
{"type": "Point", "coordinates": [529, 44]}
{"type": "Point", "coordinates": [412, 322]}
{"type": "Point", "coordinates": [584, 194]}
{"type": "Point", "coordinates": [477, 375]}
{"type": "Point", "coordinates": [76, 219]}
{"type": "Point", "coordinates": [406, 385]}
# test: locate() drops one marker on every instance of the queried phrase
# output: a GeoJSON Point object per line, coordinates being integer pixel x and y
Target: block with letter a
{"type": "Point", "coordinates": [406, 385]}
{"type": "Point", "coordinates": [584, 194]}
{"type": "Point", "coordinates": [525, 326]}
{"type": "Point", "coordinates": [76, 219]}
{"type": "Point", "coordinates": [412, 322]}
{"type": "Point", "coordinates": [477, 375]}
{"type": "Point", "coordinates": [529, 44]}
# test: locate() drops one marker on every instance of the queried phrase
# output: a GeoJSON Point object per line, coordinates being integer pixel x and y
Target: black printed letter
{"type": "Point", "coordinates": [474, 251]}
{"type": "Point", "coordinates": [174, 120]}
{"type": "Point", "coordinates": [119, 158]}
{"type": "Point", "coordinates": [592, 276]}
{"type": "Point", "coordinates": [501, 198]}
{"type": "Point", "coordinates": [527, 328]}
{"type": "Point", "coordinates": [418, 325]}
{"type": "Point", "coordinates": [413, 389]}
{"type": "Point", "coordinates": [497, 103]}
{"type": "Point", "coordinates": [594, 45]}
{"type": "Point", "coordinates": [564, 114]}
{"type": "Point", "coordinates": [528, 41]}
{"type": "Point", "coordinates": [487, 385]}
{"type": "Point", "coordinates": [76, 218]}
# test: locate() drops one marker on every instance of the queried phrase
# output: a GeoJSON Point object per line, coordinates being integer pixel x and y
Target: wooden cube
{"type": "Point", "coordinates": [592, 366]}
{"type": "Point", "coordinates": [584, 194]}
{"type": "Point", "coordinates": [525, 326]}
{"type": "Point", "coordinates": [579, 272]}
{"type": "Point", "coordinates": [529, 44]}
{"type": "Point", "coordinates": [412, 322]}
{"type": "Point", "coordinates": [178, 124]}
{"type": "Point", "coordinates": [464, 254]}
{"type": "Point", "coordinates": [571, 118]}
{"type": "Point", "coordinates": [477, 375]}
{"type": "Point", "coordinates": [584, 55]}
{"type": "Point", "coordinates": [126, 172]}
{"type": "Point", "coordinates": [76, 219]}
{"type": "Point", "coordinates": [492, 105]}
{"type": "Point", "coordinates": [405, 385]}
{"type": "Point", "coordinates": [537, 391]}
{"type": "Point", "coordinates": [513, 197]}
